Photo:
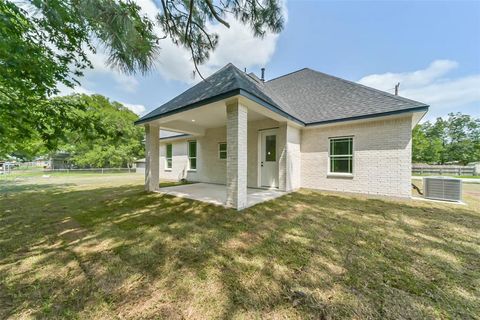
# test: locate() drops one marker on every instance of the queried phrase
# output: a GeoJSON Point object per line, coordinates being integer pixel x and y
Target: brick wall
{"type": "Point", "coordinates": [210, 168]}
{"type": "Point", "coordinates": [289, 173]}
{"type": "Point", "coordinates": [179, 168]}
{"type": "Point", "coordinates": [381, 157]}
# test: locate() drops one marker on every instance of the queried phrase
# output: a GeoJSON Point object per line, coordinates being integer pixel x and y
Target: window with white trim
{"type": "Point", "coordinates": [341, 155]}
{"type": "Point", "coordinates": [222, 150]}
{"type": "Point", "coordinates": [192, 155]}
{"type": "Point", "coordinates": [168, 156]}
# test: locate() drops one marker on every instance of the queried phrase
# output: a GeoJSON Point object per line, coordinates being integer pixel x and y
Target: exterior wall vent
{"type": "Point", "coordinates": [442, 188]}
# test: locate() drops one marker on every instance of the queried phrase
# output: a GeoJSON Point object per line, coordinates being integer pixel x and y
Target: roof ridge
{"type": "Point", "coordinates": [254, 77]}
{"type": "Point", "coordinates": [287, 74]}
{"type": "Point", "coordinates": [263, 87]}
{"type": "Point", "coordinates": [239, 72]}
{"type": "Point", "coordinates": [367, 87]}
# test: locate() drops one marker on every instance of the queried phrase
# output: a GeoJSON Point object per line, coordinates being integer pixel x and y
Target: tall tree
{"type": "Point", "coordinates": [44, 43]}
{"type": "Point", "coordinates": [463, 133]}
{"type": "Point", "coordinates": [456, 139]}
{"type": "Point", "coordinates": [107, 136]}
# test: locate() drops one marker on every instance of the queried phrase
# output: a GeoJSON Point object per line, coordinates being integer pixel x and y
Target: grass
{"type": "Point", "coordinates": [101, 247]}
{"type": "Point", "coordinates": [37, 172]}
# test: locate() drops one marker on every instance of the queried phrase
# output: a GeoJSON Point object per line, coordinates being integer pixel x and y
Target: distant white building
{"type": "Point", "coordinates": [140, 166]}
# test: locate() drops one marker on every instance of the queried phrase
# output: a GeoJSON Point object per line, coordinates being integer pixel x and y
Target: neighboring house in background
{"type": "Point", "coordinates": [60, 160]}
{"type": "Point", "coordinates": [140, 166]}
{"type": "Point", "coordinates": [304, 129]}
{"type": "Point", "coordinates": [41, 162]}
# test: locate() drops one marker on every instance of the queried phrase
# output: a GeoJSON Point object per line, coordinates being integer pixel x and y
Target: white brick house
{"type": "Point", "coordinates": [305, 129]}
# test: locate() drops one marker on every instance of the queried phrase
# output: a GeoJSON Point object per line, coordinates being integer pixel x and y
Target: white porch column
{"type": "Point", "coordinates": [236, 155]}
{"type": "Point", "coordinates": [290, 158]}
{"type": "Point", "coordinates": [152, 155]}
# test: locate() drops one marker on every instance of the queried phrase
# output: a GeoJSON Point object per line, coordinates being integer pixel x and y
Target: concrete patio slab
{"type": "Point", "coordinates": [217, 194]}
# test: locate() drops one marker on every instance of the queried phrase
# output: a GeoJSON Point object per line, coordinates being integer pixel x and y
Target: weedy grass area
{"type": "Point", "coordinates": [101, 247]}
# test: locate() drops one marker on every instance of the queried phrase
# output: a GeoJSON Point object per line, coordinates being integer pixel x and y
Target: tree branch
{"type": "Point", "coordinates": [189, 20]}
{"type": "Point", "coordinates": [214, 13]}
{"type": "Point", "coordinates": [195, 62]}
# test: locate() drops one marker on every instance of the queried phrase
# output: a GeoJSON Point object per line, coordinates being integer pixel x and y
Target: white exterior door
{"type": "Point", "coordinates": [269, 159]}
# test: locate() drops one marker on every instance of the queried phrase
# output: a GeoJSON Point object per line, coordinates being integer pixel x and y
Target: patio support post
{"type": "Point", "coordinates": [282, 157]}
{"type": "Point", "coordinates": [152, 155]}
{"type": "Point", "coordinates": [236, 155]}
{"type": "Point", "coordinates": [289, 160]}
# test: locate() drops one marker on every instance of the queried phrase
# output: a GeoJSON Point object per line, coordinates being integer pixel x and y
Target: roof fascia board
{"type": "Point", "coordinates": [369, 116]}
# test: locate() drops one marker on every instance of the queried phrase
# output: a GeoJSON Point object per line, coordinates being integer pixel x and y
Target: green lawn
{"type": "Point", "coordinates": [39, 172]}
{"type": "Point", "coordinates": [101, 247]}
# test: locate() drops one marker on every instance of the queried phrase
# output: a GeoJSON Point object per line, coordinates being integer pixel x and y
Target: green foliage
{"type": "Point", "coordinates": [44, 43]}
{"type": "Point", "coordinates": [29, 149]}
{"type": "Point", "coordinates": [456, 139]}
{"type": "Point", "coordinates": [106, 136]}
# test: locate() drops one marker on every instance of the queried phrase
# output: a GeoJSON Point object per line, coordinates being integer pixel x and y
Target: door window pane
{"type": "Point", "coordinates": [271, 148]}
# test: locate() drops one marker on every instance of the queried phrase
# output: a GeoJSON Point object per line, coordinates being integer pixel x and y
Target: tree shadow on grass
{"type": "Point", "coordinates": [121, 252]}
{"type": "Point", "coordinates": [7, 188]}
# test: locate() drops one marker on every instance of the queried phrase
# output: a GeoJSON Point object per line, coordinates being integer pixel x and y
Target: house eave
{"type": "Point", "coordinates": [423, 108]}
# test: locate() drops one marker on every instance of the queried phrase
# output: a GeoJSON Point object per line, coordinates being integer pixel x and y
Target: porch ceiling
{"type": "Point", "coordinates": [196, 121]}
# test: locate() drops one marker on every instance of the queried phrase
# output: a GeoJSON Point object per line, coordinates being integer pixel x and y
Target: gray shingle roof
{"type": "Point", "coordinates": [305, 96]}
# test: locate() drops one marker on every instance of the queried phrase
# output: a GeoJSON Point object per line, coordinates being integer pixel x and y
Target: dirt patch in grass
{"type": "Point", "coordinates": [106, 249]}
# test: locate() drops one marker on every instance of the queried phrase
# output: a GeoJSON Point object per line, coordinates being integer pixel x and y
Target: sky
{"type": "Point", "coordinates": [431, 47]}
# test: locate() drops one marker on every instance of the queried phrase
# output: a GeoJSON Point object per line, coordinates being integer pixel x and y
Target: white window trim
{"type": "Point", "coordinates": [189, 157]}
{"type": "Point", "coordinates": [340, 174]}
{"type": "Point", "coordinates": [166, 157]}
{"type": "Point", "coordinates": [220, 143]}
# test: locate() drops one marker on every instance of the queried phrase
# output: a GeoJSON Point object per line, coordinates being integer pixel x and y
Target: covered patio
{"type": "Point", "coordinates": [217, 194]}
{"type": "Point", "coordinates": [241, 150]}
